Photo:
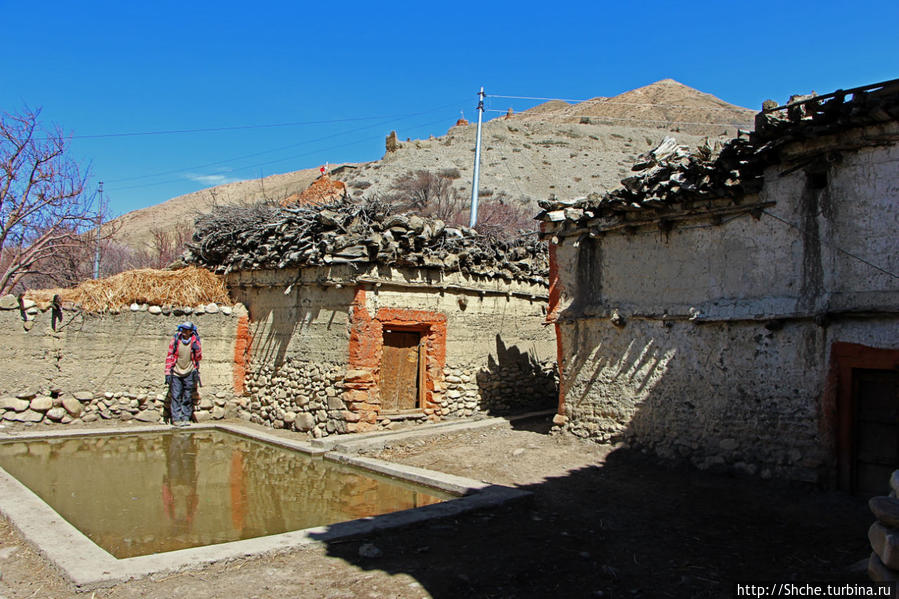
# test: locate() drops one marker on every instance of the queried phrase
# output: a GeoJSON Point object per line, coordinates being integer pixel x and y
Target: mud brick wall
{"type": "Point", "coordinates": [66, 365]}
{"type": "Point", "coordinates": [331, 319]}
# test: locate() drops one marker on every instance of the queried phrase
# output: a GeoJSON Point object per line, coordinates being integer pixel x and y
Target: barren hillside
{"type": "Point", "coordinates": [665, 103]}
{"type": "Point", "coordinates": [136, 227]}
{"type": "Point", "coordinates": [561, 149]}
{"type": "Point", "coordinates": [567, 150]}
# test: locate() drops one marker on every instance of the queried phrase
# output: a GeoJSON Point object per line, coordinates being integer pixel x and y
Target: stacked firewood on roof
{"type": "Point", "coordinates": [810, 116]}
{"type": "Point", "coordinates": [666, 178]}
{"type": "Point", "coordinates": [266, 237]}
{"type": "Point", "coordinates": [672, 182]}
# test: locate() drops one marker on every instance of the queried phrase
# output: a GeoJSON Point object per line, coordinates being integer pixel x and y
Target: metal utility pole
{"type": "Point", "coordinates": [99, 224]}
{"type": "Point", "coordinates": [473, 219]}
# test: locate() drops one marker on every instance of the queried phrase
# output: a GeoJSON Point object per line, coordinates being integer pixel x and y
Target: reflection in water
{"type": "Point", "coordinates": [238, 491]}
{"type": "Point", "coordinates": [179, 483]}
{"type": "Point", "coordinates": [214, 487]}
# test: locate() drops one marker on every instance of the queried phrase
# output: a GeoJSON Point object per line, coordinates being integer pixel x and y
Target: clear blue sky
{"type": "Point", "coordinates": [99, 68]}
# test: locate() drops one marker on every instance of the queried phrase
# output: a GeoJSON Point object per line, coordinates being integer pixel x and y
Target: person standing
{"type": "Point", "coordinates": [182, 372]}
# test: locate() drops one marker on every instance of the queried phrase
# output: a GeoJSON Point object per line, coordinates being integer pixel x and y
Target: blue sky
{"type": "Point", "coordinates": [338, 77]}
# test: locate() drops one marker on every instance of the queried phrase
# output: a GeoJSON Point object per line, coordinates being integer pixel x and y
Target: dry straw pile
{"type": "Point", "coordinates": [189, 286]}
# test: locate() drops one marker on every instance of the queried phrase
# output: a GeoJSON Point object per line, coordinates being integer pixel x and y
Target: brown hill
{"type": "Point", "coordinates": [545, 109]}
{"type": "Point", "coordinates": [557, 148]}
{"type": "Point", "coordinates": [664, 102]}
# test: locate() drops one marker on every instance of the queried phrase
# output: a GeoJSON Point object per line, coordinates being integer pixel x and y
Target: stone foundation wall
{"type": "Point", "coordinates": [461, 396]}
{"type": "Point", "coordinates": [494, 389]}
{"type": "Point", "coordinates": [298, 395]}
{"type": "Point", "coordinates": [519, 387]}
{"type": "Point", "coordinates": [126, 406]}
{"type": "Point", "coordinates": [737, 396]}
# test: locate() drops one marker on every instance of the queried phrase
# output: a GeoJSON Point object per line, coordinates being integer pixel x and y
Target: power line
{"type": "Point", "coordinates": [505, 161]}
{"type": "Point", "coordinates": [834, 246]}
{"type": "Point", "coordinates": [387, 120]}
{"type": "Point", "coordinates": [292, 157]}
{"type": "Point", "coordinates": [243, 156]}
{"type": "Point", "coordinates": [533, 98]}
{"type": "Point", "coordinates": [233, 128]}
{"type": "Point", "coordinates": [612, 118]}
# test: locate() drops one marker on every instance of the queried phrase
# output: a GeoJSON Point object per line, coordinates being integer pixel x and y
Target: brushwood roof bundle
{"type": "Point", "coordinates": [671, 182]}
{"type": "Point", "coordinates": [343, 232]}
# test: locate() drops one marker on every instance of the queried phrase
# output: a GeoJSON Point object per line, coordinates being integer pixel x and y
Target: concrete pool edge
{"type": "Point", "coordinates": [89, 566]}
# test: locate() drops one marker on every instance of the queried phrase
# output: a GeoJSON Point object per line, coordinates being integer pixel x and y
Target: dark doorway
{"type": "Point", "coordinates": [875, 448]}
{"type": "Point", "coordinates": [401, 371]}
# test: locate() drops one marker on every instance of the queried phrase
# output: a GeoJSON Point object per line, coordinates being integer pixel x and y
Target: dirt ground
{"type": "Point", "coordinates": [602, 522]}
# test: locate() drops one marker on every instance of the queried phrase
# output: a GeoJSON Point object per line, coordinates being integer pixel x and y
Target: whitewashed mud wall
{"type": "Point", "coordinates": [713, 342]}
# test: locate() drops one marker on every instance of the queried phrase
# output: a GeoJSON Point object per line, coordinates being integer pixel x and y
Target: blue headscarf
{"type": "Point", "coordinates": [187, 326]}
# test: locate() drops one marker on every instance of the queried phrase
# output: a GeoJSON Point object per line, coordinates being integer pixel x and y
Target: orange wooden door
{"type": "Point", "coordinates": [399, 371]}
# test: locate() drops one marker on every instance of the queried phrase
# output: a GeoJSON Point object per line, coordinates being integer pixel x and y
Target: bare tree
{"type": "Point", "coordinates": [43, 208]}
{"type": "Point", "coordinates": [426, 193]}
{"type": "Point", "coordinates": [169, 244]}
{"type": "Point", "coordinates": [502, 217]}
{"type": "Point", "coordinates": [430, 194]}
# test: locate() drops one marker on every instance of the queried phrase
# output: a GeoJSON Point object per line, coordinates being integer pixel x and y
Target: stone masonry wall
{"type": "Point", "coordinates": [297, 395]}
{"type": "Point", "coordinates": [302, 374]}
{"type": "Point", "coordinates": [495, 389]}
{"type": "Point", "coordinates": [730, 395]}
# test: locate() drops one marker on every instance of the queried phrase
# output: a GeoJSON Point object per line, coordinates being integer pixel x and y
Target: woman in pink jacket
{"type": "Point", "coordinates": [182, 371]}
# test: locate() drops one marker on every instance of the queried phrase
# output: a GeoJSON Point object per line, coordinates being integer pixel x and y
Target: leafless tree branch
{"type": "Point", "coordinates": [43, 209]}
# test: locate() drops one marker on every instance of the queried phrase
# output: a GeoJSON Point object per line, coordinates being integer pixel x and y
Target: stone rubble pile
{"type": "Point", "coordinates": [883, 565]}
{"type": "Point", "coordinates": [810, 116]}
{"type": "Point", "coordinates": [266, 237]}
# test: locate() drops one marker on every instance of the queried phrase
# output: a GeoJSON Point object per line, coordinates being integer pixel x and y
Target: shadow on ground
{"type": "Point", "coordinates": [631, 527]}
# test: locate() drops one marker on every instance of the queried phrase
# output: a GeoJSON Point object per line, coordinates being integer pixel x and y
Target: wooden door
{"type": "Point", "coordinates": [876, 430]}
{"type": "Point", "coordinates": [400, 371]}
